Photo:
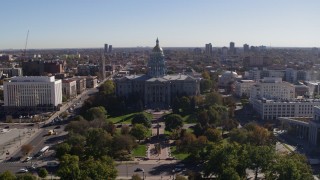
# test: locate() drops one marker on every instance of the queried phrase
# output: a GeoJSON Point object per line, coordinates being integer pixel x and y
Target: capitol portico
{"type": "Point", "coordinates": [157, 89]}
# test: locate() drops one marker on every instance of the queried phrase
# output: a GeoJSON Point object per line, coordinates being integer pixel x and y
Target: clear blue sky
{"type": "Point", "coordinates": [177, 23]}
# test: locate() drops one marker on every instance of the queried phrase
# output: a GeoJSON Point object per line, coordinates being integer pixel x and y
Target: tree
{"type": "Point", "coordinates": [185, 104]}
{"type": "Point", "coordinates": [26, 176]}
{"type": "Point", "coordinates": [203, 118]}
{"type": "Point", "coordinates": [69, 167]}
{"type": "Point", "coordinates": [229, 173]}
{"type": "Point", "coordinates": [110, 128]}
{"type": "Point", "coordinates": [229, 124]}
{"type": "Point", "coordinates": [78, 118]}
{"type": "Point", "coordinates": [125, 129]}
{"type": "Point", "coordinates": [107, 88]}
{"type": "Point", "coordinates": [258, 135]}
{"type": "Point", "coordinates": [43, 173]}
{"type": "Point", "coordinates": [141, 118]}
{"type": "Point", "coordinates": [103, 168]}
{"type": "Point", "coordinates": [205, 85]}
{"type": "Point", "coordinates": [136, 177]}
{"type": "Point", "coordinates": [139, 131]}
{"type": "Point", "coordinates": [123, 142]}
{"type": "Point", "coordinates": [26, 149]}
{"type": "Point", "coordinates": [77, 143]}
{"type": "Point", "coordinates": [179, 177]}
{"type": "Point", "coordinates": [239, 135]}
{"type": "Point", "coordinates": [213, 116]}
{"type": "Point", "coordinates": [173, 121]}
{"type": "Point", "coordinates": [7, 175]}
{"type": "Point", "coordinates": [260, 158]}
{"type": "Point", "coordinates": [96, 113]}
{"type": "Point", "coordinates": [226, 161]}
{"type": "Point", "coordinates": [213, 135]}
{"type": "Point", "coordinates": [79, 127]}
{"type": "Point", "coordinates": [62, 149]}
{"type": "Point", "coordinates": [206, 75]}
{"type": "Point", "coordinates": [213, 98]}
{"type": "Point", "coordinates": [98, 142]}
{"type": "Point", "coordinates": [289, 167]}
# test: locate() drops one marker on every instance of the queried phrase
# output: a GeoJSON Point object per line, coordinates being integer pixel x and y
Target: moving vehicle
{"type": "Point", "coordinates": [27, 159]}
{"type": "Point", "coordinates": [51, 132]}
{"type": "Point", "coordinates": [23, 170]}
{"type": "Point", "coordinates": [52, 164]}
{"type": "Point", "coordinates": [44, 149]}
{"type": "Point", "coordinates": [138, 170]}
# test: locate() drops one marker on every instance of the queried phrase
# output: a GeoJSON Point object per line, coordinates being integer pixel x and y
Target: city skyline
{"type": "Point", "coordinates": [86, 24]}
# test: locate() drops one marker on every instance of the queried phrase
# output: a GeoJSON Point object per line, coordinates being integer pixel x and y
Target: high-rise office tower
{"type": "Point", "coordinates": [246, 48]}
{"type": "Point", "coordinates": [110, 49]}
{"type": "Point", "coordinates": [208, 50]}
{"type": "Point", "coordinates": [232, 48]}
{"type": "Point", "coordinates": [103, 66]}
{"type": "Point", "coordinates": [106, 48]}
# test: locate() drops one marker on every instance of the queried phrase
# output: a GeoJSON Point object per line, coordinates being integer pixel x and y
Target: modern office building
{"type": "Point", "coordinates": [232, 48]}
{"type": "Point", "coordinates": [34, 92]}
{"type": "Point", "coordinates": [157, 89]}
{"type": "Point", "coordinates": [246, 48]}
{"type": "Point", "coordinates": [106, 48]}
{"type": "Point", "coordinates": [110, 49]}
{"type": "Point", "coordinates": [208, 49]}
{"type": "Point", "coordinates": [271, 109]}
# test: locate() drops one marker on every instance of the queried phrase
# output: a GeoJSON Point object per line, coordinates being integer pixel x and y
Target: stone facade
{"type": "Point", "coordinates": [156, 89]}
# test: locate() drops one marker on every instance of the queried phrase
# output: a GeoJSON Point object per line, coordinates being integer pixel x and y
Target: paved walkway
{"type": "Point", "coordinates": [148, 177]}
{"type": "Point", "coordinates": [152, 152]}
{"type": "Point", "coordinates": [13, 145]}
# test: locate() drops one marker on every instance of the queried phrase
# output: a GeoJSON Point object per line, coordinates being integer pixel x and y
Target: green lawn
{"type": "Point", "coordinates": [126, 119]}
{"type": "Point", "coordinates": [140, 150]}
{"type": "Point", "coordinates": [178, 155]}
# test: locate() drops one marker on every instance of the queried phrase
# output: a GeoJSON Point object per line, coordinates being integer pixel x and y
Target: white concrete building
{"type": "Point", "coordinates": [271, 110]}
{"type": "Point", "coordinates": [243, 87]}
{"type": "Point", "coordinates": [273, 88]}
{"type": "Point", "coordinates": [34, 91]}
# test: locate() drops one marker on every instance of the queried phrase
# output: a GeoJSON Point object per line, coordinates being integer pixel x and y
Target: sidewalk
{"type": "Point", "coordinates": [15, 147]}
{"type": "Point", "coordinates": [148, 162]}
{"type": "Point", "coordinates": [148, 177]}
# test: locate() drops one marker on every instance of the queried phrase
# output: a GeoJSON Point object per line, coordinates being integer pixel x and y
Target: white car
{"type": "Point", "coordinates": [27, 159]}
{"type": "Point", "coordinates": [23, 170]}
